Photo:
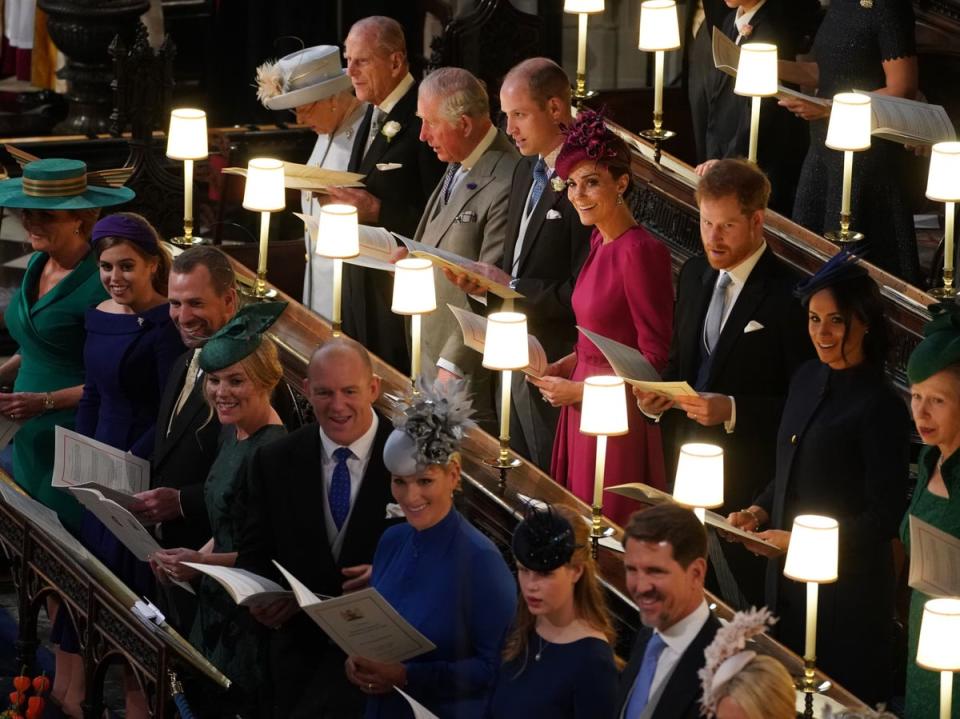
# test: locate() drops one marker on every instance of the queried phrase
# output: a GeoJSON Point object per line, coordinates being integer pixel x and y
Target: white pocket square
{"type": "Point", "coordinates": [752, 326]}
{"type": "Point", "coordinates": [553, 215]}
{"type": "Point", "coordinates": [387, 166]}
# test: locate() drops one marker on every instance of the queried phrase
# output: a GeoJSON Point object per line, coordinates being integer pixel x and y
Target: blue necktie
{"type": "Point", "coordinates": [641, 687]}
{"type": "Point", "coordinates": [539, 182]}
{"type": "Point", "coordinates": [452, 170]}
{"type": "Point", "coordinates": [340, 487]}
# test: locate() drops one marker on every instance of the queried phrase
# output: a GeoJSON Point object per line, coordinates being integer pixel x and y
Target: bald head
{"type": "Point", "coordinates": [543, 78]}
{"type": "Point", "coordinates": [343, 346]}
{"type": "Point", "coordinates": [342, 388]}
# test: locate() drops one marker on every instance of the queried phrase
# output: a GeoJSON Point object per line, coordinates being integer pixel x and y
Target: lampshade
{"type": "Point", "coordinates": [757, 70]}
{"type": "Point", "coordinates": [603, 409]}
{"type": "Point", "coordinates": [413, 289]}
{"type": "Point", "coordinates": [659, 29]}
{"type": "Point", "coordinates": [850, 122]}
{"type": "Point", "coordinates": [337, 233]}
{"type": "Point", "coordinates": [699, 481]}
{"type": "Point", "coordinates": [939, 645]}
{"type": "Point", "coordinates": [812, 554]}
{"type": "Point", "coordinates": [943, 180]}
{"type": "Point", "coordinates": [583, 6]}
{"type": "Point", "coordinates": [187, 137]}
{"type": "Point", "coordinates": [505, 346]}
{"type": "Point", "coordinates": [264, 191]}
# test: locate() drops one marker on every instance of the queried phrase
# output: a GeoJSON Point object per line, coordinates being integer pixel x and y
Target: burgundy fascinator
{"type": "Point", "coordinates": [588, 139]}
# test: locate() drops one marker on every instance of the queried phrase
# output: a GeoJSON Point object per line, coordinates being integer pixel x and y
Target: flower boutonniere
{"type": "Point", "coordinates": [746, 31]}
{"type": "Point", "coordinates": [390, 130]}
{"type": "Point", "coordinates": [558, 184]}
{"type": "Point", "coordinates": [866, 4]}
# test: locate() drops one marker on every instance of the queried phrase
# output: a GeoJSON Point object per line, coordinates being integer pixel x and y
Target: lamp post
{"type": "Point", "coordinates": [849, 132]}
{"type": "Point", "coordinates": [505, 349]}
{"type": "Point", "coordinates": [338, 238]}
{"type": "Point", "coordinates": [938, 647]}
{"type": "Point", "coordinates": [414, 295]}
{"type": "Point", "coordinates": [603, 413]}
{"type": "Point", "coordinates": [187, 141]}
{"type": "Point", "coordinates": [699, 480]}
{"type": "Point", "coordinates": [659, 31]}
{"type": "Point", "coordinates": [264, 193]}
{"type": "Point", "coordinates": [756, 78]}
{"type": "Point", "coordinates": [582, 8]}
{"type": "Point", "coordinates": [943, 185]}
{"type": "Point", "coordinates": [812, 558]}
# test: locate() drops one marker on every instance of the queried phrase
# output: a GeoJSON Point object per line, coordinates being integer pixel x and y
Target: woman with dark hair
{"type": "Point", "coordinates": [558, 660]}
{"type": "Point", "coordinates": [842, 451]}
{"type": "Point", "coordinates": [624, 292]}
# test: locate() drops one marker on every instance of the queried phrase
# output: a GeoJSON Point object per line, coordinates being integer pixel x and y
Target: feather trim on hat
{"type": "Point", "coordinates": [436, 420]}
{"type": "Point", "coordinates": [270, 81]}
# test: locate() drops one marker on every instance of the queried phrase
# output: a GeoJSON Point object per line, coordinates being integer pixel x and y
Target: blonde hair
{"type": "Point", "coordinates": [763, 689]}
{"type": "Point", "coordinates": [262, 367]}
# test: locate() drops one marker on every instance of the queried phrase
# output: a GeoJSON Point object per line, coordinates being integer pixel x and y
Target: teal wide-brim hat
{"type": "Point", "coordinates": [940, 346]}
{"type": "Point", "coordinates": [59, 184]}
{"type": "Point", "coordinates": [240, 337]}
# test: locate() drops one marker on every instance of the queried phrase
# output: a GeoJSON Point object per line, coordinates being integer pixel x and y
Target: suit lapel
{"type": "Point", "coordinates": [369, 509]}
{"type": "Point", "coordinates": [475, 180]}
{"type": "Point", "coordinates": [310, 503]}
{"type": "Point", "coordinates": [683, 687]}
{"type": "Point", "coordinates": [170, 394]}
{"type": "Point", "coordinates": [522, 179]}
{"type": "Point", "coordinates": [692, 337]}
{"type": "Point", "coordinates": [360, 141]}
{"type": "Point", "coordinates": [400, 114]}
{"type": "Point", "coordinates": [548, 200]}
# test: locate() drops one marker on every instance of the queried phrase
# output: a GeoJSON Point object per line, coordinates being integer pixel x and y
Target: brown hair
{"type": "Point", "coordinates": [160, 278]}
{"type": "Point", "coordinates": [671, 523]}
{"type": "Point", "coordinates": [763, 689]}
{"type": "Point", "coordinates": [222, 276]}
{"type": "Point", "coordinates": [739, 178]}
{"type": "Point", "coordinates": [588, 599]}
{"type": "Point", "coordinates": [544, 78]}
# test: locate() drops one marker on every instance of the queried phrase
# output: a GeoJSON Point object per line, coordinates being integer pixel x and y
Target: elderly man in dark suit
{"type": "Point", "coordinates": [318, 505]}
{"type": "Point", "coordinates": [665, 562]}
{"type": "Point", "coordinates": [400, 173]}
{"type": "Point", "coordinates": [738, 336]}
{"type": "Point", "coordinates": [545, 242]}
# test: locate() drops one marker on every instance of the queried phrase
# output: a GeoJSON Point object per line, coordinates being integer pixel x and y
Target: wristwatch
{"type": "Point", "coordinates": [48, 403]}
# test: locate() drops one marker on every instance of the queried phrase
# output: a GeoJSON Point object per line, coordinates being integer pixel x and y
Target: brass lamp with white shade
{"type": "Point", "coordinates": [756, 78]}
{"type": "Point", "coordinates": [659, 32]}
{"type": "Point", "coordinates": [338, 239]}
{"type": "Point", "coordinates": [582, 8]}
{"type": "Point", "coordinates": [414, 295]}
{"type": "Point", "coordinates": [264, 193]}
{"type": "Point", "coordinates": [812, 557]}
{"type": "Point", "coordinates": [603, 413]}
{"type": "Point", "coordinates": [699, 479]}
{"type": "Point", "coordinates": [851, 120]}
{"type": "Point", "coordinates": [505, 349]}
{"type": "Point", "coordinates": [938, 647]}
{"type": "Point", "coordinates": [943, 185]}
{"type": "Point", "coordinates": [187, 141]}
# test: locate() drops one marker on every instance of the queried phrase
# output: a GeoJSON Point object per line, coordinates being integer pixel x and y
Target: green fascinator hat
{"type": "Point", "coordinates": [940, 346]}
{"type": "Point", "coordinates": [241, 336]}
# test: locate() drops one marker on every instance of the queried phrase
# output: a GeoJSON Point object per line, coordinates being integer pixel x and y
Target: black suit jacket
{"type": "Point", "coordinates": [403, 193]}
{"type": "Point", "coordinates": [680, 698]}
{"type": "Point", "coordinates": [182, 458]}
{"type": "Point", "coordinates": [286, 524]}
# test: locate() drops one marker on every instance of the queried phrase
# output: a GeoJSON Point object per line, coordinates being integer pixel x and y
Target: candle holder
{"type": "Point", "coordinates": [812, 558]}
{"type": "Point", "coordinates": [699, 480]}
{"type": "Point", "coordinates": [582, 8]}
{"type": "Point", "coordinates": [943, 185]}
{"type": "Point", "coordinates": [414, 295]}
{"type": "Point", "coordinates": [603, 413]}
{"type": "Point", "coordinates": [756, 79]}
{"type": "Point", "coordinates": [849, 132]}
{"type": "Point", "coordinates": [659, 31]}
{"type": "Point", "coordinates": [264, 193]}
{"type": "Point", "coordinates": [505, 349]}
{"type": "Point", "coordinates": [938, 647]}
{"type": "Point", "coordinates": [187, 141]}
{"type": "Point", "coordinates": [338, 238]}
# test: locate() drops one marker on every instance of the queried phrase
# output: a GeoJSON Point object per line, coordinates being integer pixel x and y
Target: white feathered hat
{"type": "Point", "coordinates": [301, 77]}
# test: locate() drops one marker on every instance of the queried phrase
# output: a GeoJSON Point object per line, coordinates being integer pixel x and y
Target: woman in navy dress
{"type": "Point", "coordinates": [558, 661]}
{"type": "Point", "coordinates": [439, 572]}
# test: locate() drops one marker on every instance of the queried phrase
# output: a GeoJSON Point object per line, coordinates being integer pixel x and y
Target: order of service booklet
{"type": "Point", "coordinates": [244, 587]}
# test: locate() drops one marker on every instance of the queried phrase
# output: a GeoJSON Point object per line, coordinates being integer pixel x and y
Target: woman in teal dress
{"type": "Point", "coordinates": [58, 207]}
{"type": "Point", "coordinates": [934, 374]}
{"type": "Point", "coordinates": [241, 369]}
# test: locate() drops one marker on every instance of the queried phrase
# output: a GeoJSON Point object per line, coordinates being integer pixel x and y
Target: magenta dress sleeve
{"type": "Point", "coordinates": [647, 285]}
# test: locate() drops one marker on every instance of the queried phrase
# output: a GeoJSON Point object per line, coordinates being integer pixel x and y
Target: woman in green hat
{"type": "Point", "coordinates": [241, 369]}
{"type": "Point", "coordinates": [934, 375]}
{"type": "Point", "coordinates": [58, 206]}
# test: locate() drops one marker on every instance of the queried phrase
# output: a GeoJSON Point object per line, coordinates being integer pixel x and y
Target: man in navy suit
{"type": "Point", "coordinates": [665, 562]}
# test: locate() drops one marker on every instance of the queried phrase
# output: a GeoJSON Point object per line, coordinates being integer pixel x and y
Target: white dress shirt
{"type": "Point", "coordinates": [743, 19]}
{"type": "Point", "coordinates": [357, 464]}
{"type": "Point", "coordinates": [467, 164]}
{"type": "Point", "coordinates": [550, 161]}
{"type": "Point", "coordinates": [678, 638]}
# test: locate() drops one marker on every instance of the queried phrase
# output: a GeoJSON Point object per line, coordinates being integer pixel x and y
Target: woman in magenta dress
{"type": "Point", "coordinates": [624, 292]}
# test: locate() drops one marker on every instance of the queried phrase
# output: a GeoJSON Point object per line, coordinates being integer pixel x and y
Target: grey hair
{"type": "Point", "coordinates": [388, 33]}
{"type": "Point", "coordinates": [459, 91]}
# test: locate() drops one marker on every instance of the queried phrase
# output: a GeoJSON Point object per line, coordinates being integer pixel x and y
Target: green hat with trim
{"type": "Point", "coordinates": [241, 336]}
{"type": "Point", "coordinates": [59, 184]}
{"type": "Point", "coordinates": [940, 346]}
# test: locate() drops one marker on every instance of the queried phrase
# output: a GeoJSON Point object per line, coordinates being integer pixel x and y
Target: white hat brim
{"type": "Point", "coordinates": [306, 95]}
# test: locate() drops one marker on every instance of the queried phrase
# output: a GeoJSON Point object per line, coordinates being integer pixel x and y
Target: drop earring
{"type": "Point", "coordinates": [619, 199]}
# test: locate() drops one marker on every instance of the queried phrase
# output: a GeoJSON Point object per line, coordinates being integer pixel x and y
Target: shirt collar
{"type": "Point", "coordinates": [550, 159]}
{"type": "Point", "coordinates": [482, 146]}
{"type": "Point", "coordinates": [679, 635]}
{"type": "Point", "coordinates": [399, 91]}
{"type": "Point", "coordinates": [741, 272]}
{"type": "Point", "coordinates": [360, 448]}
{"type": "Point", "coordinates": [743, 19]}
